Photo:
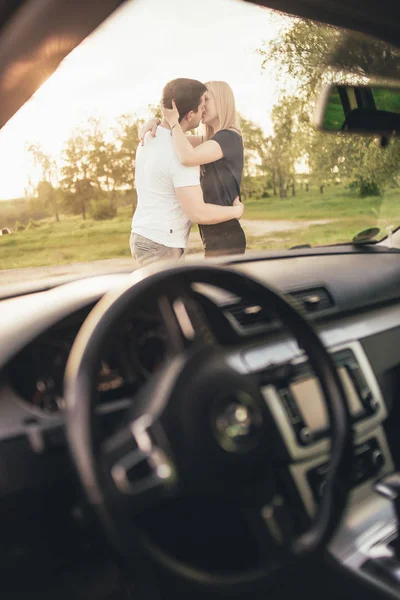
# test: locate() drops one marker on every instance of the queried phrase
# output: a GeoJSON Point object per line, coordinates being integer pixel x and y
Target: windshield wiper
{"type": "Point", "coordinates": [300, 246]}
{"type": "Point", "coordinates": [363, 238]}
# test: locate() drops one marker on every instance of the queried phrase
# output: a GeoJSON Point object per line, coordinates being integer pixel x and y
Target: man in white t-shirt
{"type": "Point", "coordinates": [169, 195]}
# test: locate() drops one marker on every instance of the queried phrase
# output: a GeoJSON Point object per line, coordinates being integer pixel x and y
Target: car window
{"type": "Point", "coordinates": [68, 193]}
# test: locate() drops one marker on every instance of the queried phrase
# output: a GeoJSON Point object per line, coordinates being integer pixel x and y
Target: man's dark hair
{"type": "Point", "coordinates": [185, 92]}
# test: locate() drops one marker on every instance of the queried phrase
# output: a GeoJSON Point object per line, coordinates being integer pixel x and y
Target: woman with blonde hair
{"type": "Point", "coordinates": [220, 153]}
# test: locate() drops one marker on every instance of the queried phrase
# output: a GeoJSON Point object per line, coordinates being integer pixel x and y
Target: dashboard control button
{"type": "Point", "coordinates": [377, 459]}
{"type": "Point", "coordinates": [305, 435]}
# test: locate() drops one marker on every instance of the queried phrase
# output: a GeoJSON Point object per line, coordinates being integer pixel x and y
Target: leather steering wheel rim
{"type": "Point", "coordinates": [81, 420]}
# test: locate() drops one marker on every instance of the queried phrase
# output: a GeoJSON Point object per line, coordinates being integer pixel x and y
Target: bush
{"type": "Point", "coordinates": [369, 189]}
{"type": "Point", "coordinates": [127, 198]}
{"type": "Point", "coordinates": [32, 225]}
{"type": "Point", "coordinates": [365, 188]}
{"type": "Point", "coordinates": [101, 210]}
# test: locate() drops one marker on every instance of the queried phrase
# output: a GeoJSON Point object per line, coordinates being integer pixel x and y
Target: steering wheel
{"type": "Point", "coordinates": [198, 427]}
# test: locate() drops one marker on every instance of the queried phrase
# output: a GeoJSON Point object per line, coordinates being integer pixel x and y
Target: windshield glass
{"type": "Point", "coordinates": [68, 190]}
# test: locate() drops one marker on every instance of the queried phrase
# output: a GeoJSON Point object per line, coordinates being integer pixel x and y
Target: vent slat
{"type": "Point", "coordinates": [314, 300]}
{"type": "Point", "coordinates": [249, 315]}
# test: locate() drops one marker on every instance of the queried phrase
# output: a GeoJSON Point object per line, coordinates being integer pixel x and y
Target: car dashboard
{"type": "Point", "coordinates": [352, 297]}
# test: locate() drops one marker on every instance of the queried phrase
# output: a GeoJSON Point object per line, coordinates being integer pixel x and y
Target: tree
{"type": "Point", "coordinates": [155, 111]}
{"type": "Point", "coordinates": [310, 54]}
{"type": "Point", "coordinates": [50, 179]}
{"type": "Point", "coordinates": [256, 173]}
{"type": "Point", "coordinates": [102, 162]}
{"type": "Point", "coordinates": [127, 139]}
{"type": "Point", "coordinates": [98, 164]}
{"type": "Point", "coordinates": [286, 147]}
{"type": "Point", "coordinates": [77, 182]}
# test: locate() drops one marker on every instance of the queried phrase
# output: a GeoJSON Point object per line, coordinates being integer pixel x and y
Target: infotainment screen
{"type": "Point", "coordinates": [355, 406]}
{"type": "Point", "coordinates": [308, 397]}
{"type": "Point", "coordinates": [309, 400]}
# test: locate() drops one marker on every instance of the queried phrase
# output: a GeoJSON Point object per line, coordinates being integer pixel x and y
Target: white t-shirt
{"type": "Point", "coordinates": [158, 215]}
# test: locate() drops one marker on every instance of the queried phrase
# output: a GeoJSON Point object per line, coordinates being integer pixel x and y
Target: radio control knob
{"type": "Point", "coordinates": [305, 435]}
{"type": "Point", "coordinates": [373, 402]}
{"type": "Point", "coordinates": [377, 459]}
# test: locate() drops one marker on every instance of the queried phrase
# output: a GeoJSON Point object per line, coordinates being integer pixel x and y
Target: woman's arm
{"type": "Point", "coordinates": [188, 155]}
{"type": "Point", "coordinates": [195, 140]}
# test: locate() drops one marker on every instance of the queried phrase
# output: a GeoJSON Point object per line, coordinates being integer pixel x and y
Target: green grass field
{"type": "Point", "coordinates": [74, 240]}
{"type": "Point", "coordinates": [334, 114]}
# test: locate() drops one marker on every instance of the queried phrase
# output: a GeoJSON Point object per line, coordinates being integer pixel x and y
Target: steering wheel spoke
{"type": "Point", "coordinates": [176, 322]}
{"type": "Point", "coordinates": [139, 468]}
{"type": "Point", "coordinates": [268, 517]}
{"type": "Point", "coordinates": [185, 322]}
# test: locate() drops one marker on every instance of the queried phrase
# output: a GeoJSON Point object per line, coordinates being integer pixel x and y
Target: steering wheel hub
{"type": "Point", "coordinates": [238, 422]}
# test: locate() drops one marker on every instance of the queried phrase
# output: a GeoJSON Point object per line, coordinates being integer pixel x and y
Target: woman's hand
{"type": "Point", "coordinates": [239, 207]}
{"type": "Point", "coordinates": [171, 115]}
{"type": "Point", "coordinates": [149, 126]}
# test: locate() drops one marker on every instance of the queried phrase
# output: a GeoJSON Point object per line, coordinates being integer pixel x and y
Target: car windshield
{"type": "Point", "coordinates": [68, 190]}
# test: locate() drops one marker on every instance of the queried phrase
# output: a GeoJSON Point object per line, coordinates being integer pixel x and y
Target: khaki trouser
{"type": "Point", "coordinates": [146, 251]}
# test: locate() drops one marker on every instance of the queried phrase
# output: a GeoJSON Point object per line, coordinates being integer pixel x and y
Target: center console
{"type": "Point", "coordinates": [305, 406]}
{"type": "Point", "coordinates": [367, 542]}
{"type": "Point", "coordinates": [368, 463]}
{"type": "Point", "coordinates": [297, 405]}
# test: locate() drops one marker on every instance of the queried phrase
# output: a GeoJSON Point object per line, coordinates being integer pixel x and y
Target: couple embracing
{"type": "Point", "coordinates": [183, 179]}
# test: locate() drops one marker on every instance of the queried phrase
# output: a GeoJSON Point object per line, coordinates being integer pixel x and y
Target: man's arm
{"type": "Point", "coordinates": [194, 207]}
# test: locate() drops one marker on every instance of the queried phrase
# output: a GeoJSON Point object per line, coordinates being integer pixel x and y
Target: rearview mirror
{"type": "Point", "coordinates": [359, 109]}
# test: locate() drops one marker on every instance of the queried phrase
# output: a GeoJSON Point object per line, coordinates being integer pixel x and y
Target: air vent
{"type": "Point", "coordinates": [314, 300]}
{"type": "Point", "coordinates": [249, 316]}
{"type": "Point", "coordinates": [246, 314]}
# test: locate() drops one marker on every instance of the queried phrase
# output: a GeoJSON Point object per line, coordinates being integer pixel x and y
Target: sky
{"type": "Point", "coordinates": [123, 66]}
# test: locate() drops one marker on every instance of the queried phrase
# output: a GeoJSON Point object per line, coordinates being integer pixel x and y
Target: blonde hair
{"type": "Point", "coordinates": [226, 108]}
